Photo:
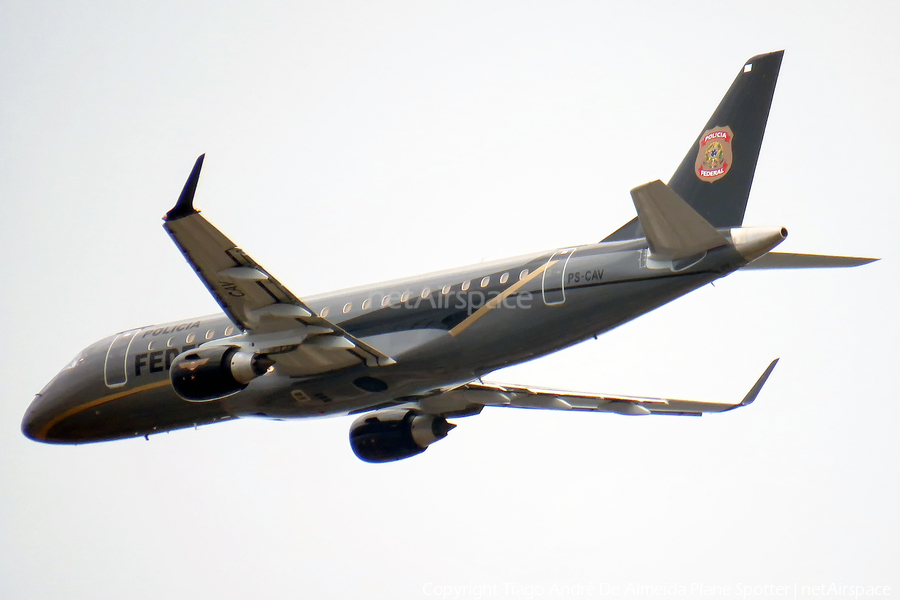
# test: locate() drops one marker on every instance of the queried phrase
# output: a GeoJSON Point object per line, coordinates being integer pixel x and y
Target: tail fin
{"type": "Point", "coordinates": [715, 176]}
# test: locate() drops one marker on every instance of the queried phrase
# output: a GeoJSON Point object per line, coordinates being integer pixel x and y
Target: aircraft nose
{"type": "Point", "coordinates": [53, 416]}
{"type": "Point", "coordinates": [49, 407]}
{"type": "Point", "coordinates": [36, 419]}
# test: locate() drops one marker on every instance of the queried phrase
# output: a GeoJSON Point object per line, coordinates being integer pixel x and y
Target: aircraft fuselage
{"type": "Point", "coordinates": [443, 329]}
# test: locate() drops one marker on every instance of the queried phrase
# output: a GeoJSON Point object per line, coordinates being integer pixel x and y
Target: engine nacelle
{"type": "Point", "coordinates": [211, 373]}
{"type": "Point", "coordinates": [389, 435]}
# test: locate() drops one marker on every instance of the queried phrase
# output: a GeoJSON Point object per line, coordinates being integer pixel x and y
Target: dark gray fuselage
{"type": "Point", "coordinates": [443, 329]}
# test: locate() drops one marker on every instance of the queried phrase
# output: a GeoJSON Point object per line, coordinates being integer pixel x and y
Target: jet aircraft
{"type": "Point", "coordinates": [407, 355]}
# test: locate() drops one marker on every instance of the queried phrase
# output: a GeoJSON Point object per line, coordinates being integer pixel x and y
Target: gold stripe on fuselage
{"type": "Point", "coordinates": [42, 434]}
{"type": "Point", "coordinates": [496, 300]}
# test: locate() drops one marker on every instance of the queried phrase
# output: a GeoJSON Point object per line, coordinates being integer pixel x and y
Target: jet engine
{"type": "Point", "coordinates": [211, 373]}
{"type": "Point", "coordinates": [389, 435]}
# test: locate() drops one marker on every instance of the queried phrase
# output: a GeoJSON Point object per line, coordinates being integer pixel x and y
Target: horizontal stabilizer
{"type": "Point", "coordinates": [674, 230]}
{"type": "Point", "coordinates": [784, 260]}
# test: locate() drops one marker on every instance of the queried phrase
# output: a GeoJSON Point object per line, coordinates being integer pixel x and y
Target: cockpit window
{"type": "Point", "coordinates": [77, 360]}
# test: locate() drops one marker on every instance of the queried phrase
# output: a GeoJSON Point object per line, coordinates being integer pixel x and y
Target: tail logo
{"type": "Point", "coordinates": [714, 158]}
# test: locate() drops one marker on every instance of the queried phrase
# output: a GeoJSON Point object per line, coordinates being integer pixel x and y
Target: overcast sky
{"type": "Point", "coordinates": [354, 142]}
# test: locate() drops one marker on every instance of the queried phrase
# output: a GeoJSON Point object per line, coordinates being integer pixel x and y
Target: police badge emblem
{"type": "Point", "coordinates": [714, 158]}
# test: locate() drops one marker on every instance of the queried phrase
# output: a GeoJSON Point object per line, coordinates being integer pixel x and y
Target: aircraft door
{"type": "Point", "coordinates": [553, 284]}
{"type": "Point", "coordinates": [115, 372]}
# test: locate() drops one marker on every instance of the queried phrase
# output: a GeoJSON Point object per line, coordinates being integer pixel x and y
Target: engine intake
{"type": "Point", "coordinates": [211, 373]}
{"type": "Point", "coordinates": [390, 435]}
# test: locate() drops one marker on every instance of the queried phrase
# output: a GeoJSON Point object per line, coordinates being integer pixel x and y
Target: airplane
{"type": "Point", "coordinates": [407, 355]}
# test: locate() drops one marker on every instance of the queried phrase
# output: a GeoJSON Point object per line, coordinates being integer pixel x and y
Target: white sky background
{"type": "Point", "coordinates": [353, 142]}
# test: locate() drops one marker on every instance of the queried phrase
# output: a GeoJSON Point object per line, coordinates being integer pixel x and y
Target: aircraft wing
{"type": "Point", "coordinates": [470, 398]}
{"type": "Point", "coordinates": [256, 301]}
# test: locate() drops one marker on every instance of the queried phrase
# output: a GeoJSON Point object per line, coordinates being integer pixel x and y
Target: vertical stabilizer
{"type": "Point", "coordinates": [715, 176]}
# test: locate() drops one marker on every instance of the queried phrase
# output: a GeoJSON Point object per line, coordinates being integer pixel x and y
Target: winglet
{"type": "Point", "coordinates": [754, 391]}
{"type": "Point", "coordinates": [185, 205]}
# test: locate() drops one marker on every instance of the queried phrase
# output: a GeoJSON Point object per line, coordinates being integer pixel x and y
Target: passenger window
{"type": "Point", "coordinates": [446, 289]}
{"type": "Point", "coordinates": [386, 300]}
{"type": "Point", "coordinates": [504, 278]}
{"type": "Point", "coordinates": [523, 274]}
{"type": "Point", "coordinates": [170, 342]}
{"type": "Point", "coordinates": [425, 293]}
{"type": "Point", "coordinates": [348, 307]}
{"type": "Point", "coordinates": [486, 281]}
{"type": "Point", "coordinates": [465, 285]}
{"type": "Point", "coordinates": [366, 303]}
{"type": "Point", "coordinates": [190, 338]}
{"type": "Point", "coordinates": [229, 330]}
{"type": "Point", "coordinates": [210, 334]}
{"type": "Point", "coordinates": [404, 297]}
{"type": "Point", "coordinates": [324, 312]}
{"type": "Point", "coordinates": [150, 346]}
